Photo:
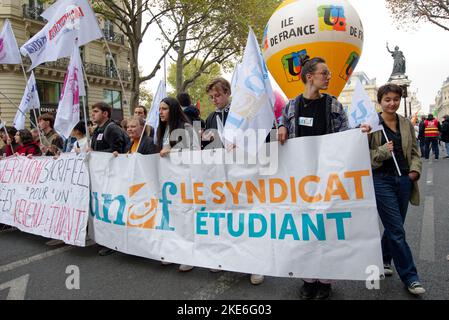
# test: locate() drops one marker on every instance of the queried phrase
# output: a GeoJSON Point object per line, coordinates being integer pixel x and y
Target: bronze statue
{"type": "Point", "coordinates": [399, 61]}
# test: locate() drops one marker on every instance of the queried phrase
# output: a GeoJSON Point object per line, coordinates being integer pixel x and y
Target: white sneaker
{"type": "Point", "coordinates": [185, 268]}
{"type": "Point", "coordinates": [256, 279]}
{"type": "Point", "coordinates": [166, 263]}
{"type": "Point", "coordinates": [215, 270]}
{"type": "Point", "coordinates": [388, 270]}
{"type": "Point", "coordinates": [416, 288]}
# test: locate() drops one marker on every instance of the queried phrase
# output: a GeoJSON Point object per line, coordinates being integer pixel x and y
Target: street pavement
{"type": "Point", "coordinates": [31, 270]}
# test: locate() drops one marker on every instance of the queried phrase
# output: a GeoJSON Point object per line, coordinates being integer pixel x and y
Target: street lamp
{"type": "Point", "coordinates": [405, 95]}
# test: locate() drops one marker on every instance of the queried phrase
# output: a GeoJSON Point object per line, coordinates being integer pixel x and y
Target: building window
{"type": "Point", "coordinates": [110, 68]}
{"type": "Point", "coordinates": [113, 98]}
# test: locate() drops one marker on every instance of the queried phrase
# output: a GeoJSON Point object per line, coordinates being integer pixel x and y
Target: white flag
{"type": "Point", "coordinates": [252, 101]}
{"type": "Point", "coordinates": [30, 100]}
{"type": "Point", "coordinates": [68, 20]}
{"type": "Point", "coordinates": [153, 116]}
{"type": "Point", "coordinates": [9, 51]}
{"type": "Point", "coordinates": [235, 76]}
{"type": "Point", "coordinates": [362, 109]}
{"type": "Point", "coordinates": [68, 114]}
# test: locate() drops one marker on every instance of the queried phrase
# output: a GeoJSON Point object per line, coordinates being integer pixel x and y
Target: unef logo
{"type": "Point", "coordinates": [143, 212]}
{"type": "Point", "coordinates": [332, 18]}
{"type": "Point", "coordinates": [292, 65]}
{"type": "Point", "coordinates": [349, 66]}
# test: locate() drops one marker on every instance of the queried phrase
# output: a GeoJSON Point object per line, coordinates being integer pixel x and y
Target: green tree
{"type": "Point", "coordinates": [145, 97]}
{"type": "Point", "coordinates": [412, 11]}
{"type": "Point", "coordinates": [210, 32]}
{"type": "Point", "coordinates": [134, 19]}
{"type": "Point", "coordinates": [196, 89]}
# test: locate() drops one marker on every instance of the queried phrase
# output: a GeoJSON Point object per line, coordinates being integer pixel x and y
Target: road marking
{"type": "Point", "coordinates": [225, 282]}
{"type": "Point", "coordinates": [427, 248]}
{"type": "Point", "coordinates": [17, 288]}
{"type": "Point", "coordinates": [430, 176]}
{"type": "Point", "coordinates": [24, 262]}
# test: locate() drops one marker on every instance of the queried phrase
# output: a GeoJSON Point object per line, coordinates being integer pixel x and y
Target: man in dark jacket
{"type": "Point", "coordinates": [421, 138]}
{"type": "Point", "coordinates": [219, 91]}
{"type": "Point", "coordinates": [107, 137]}
{"type": "Point", "coordinates": [445, 134]}
{"type": "Point", "coordinates": [190, 110]}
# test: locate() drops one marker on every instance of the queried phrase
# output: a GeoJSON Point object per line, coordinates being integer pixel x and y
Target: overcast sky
{"type": "Point", "coordinates": [426, 51]}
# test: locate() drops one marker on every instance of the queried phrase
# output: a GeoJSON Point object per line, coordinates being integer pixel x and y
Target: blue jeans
{"type": "Point", "coordinates": [435, 147]}
{"type": "Point", "coordinates": [392, 197]}
{"type": "Point", "coordinates": [447, 148]}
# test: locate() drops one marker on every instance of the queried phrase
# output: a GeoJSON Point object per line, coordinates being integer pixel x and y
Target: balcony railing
{"type": "Point", "coordinates": [91, 69]}
{"type": "Point", "coordinates": [111, 36]}
{"type": "Point", "coordinates": [33, 12]}
{"type": "Point", "coordinates": [106, 72]}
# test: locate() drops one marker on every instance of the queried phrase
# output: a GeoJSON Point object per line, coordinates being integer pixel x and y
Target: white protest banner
{"type": "Point", "coordinates": [251, 111]}
{"type": "Point", "coordinates": [316, 217]}
{"type": "Point", "coordinates": [9, 51]}
{"type": "Point", "coordinates": [46, 197]}
{"type": "Point", "coordinates": [30, 100]}
{"type": "Point", "coordinates": [68, 114]}
{"type": "Point", "coordinates": [68, 21]}
{"type": "Point", "coordinates": [362, 110]}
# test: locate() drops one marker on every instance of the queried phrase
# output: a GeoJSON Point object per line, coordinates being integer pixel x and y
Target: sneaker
{"type": "Point", "coordinates": [388, 270]}
{"type": "Point", "coordinates": [308, 290]}
{"type": "Point", "coordinates": [185, 268]}
{"type": "Point", "coordinates": [257, 279]}
{"type": "Point", "coordinates": [54, 242]}
{"type": "Point", "coordinates": [447, 258]}
{"type": "Point", "coordinates": [105, 252]}
{"type": "Point", "coordinates": [416, 288]}
{"type": "Point", "coordinates": [166, 263]}
{"type": "Point", "coordinates": [324, 291]}
{"type": "Point", "coordinates": [215, 270]}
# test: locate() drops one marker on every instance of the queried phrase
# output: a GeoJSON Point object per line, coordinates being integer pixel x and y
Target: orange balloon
{"type": "Point", "coordinates": [317, 29]}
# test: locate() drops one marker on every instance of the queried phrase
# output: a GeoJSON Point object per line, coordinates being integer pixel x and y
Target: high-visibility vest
{"type": "Point", "coordinates": [431, 130]}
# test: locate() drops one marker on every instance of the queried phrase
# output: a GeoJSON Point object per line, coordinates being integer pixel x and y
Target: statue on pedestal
{"type": "Point", "coordinates": [399, 61]}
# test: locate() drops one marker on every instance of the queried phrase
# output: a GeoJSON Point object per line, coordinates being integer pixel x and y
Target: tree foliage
{"type": "Point", "coordinates": [412, 11]}
{"type": "Point", "coordinates": [197, 89]}
{"type": "Point", "coordinates": [211, 32]}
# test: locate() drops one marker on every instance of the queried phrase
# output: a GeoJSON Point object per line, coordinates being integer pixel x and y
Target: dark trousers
{"type": "Point", "coordinates": [392, 197]}
{"type": "Point", "coordinates": [435, 147]}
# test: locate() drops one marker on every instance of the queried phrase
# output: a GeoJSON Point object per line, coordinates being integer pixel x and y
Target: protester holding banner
{"type": "Point", "coordinates": [136, 145]}
{"type": "Point", "coordinates": [26, 145]}
{"type": "Point", "coordinates": [313, 114]}
{"type": "Point", "coordinates": [10, 143]}
{"type": "Point", "coordinates": [81, 144]}
{"type": "Point", "coordinates": [394, 192]}
{"type": "Point", "coordinates": [219, 91]}
{"type": "Point", "coordinates": [107, 137]}
{"type": "Point", "coordinates": [52, 142]}
{"type": "Point", "coordinates": [172, 118]}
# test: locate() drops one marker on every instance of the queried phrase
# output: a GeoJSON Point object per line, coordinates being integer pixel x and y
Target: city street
{"type": "Point", "coordinates": [31, 270]}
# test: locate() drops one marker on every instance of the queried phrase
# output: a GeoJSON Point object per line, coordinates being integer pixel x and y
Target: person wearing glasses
{"type": "Point", "coordinates": [313, 113]}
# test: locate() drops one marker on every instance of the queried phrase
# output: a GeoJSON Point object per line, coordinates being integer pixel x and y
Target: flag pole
{"type": "Point", "coordinates": [84, 105]}
{"type": "Point", "coordinates": [392, 153]}
{"type": "Point", "coordinates": [17, 107]}
{"type": "Point", "coordinates": [34, 110]}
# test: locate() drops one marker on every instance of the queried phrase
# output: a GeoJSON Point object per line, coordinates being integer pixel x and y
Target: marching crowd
{"type": "Point", "coordinates": [312, 113]}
